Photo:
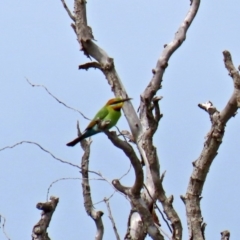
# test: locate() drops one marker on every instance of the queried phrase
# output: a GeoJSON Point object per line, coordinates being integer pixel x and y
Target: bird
{"type": "Point", "coordinates": [107, 116]}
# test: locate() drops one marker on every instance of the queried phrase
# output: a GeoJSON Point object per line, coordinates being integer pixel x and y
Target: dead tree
{"type": "Point", "coordinates": [148, 186]}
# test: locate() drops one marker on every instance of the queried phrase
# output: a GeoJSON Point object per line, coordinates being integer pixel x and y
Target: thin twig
{"type": "Point", "coordinates": [130, 153]}
{"type": "Point", "coordinates": [125, 174]}
{"type": "Point", "coordinates": [106, 198]}
{"type": "Point", "coordinates": [134, 192]}
{"type": "Point", "coordinates": [59, 101]}
{"type": "Point", "coordinates": [111, 218]}
{"type": "Point", "coordinates": [104, 178]}
{"type": "Point", "coordinates": [164, 233]}
{"type": "Point", "coordinates": [3, 226]}
{"type": "Point", "coordinates": [120, 133]}
{"type": "Point", "coordinates": [165, 220]}
{"type": "Point", "coordinates": [34, 143]}
{"type": "Point", "coordinates": [58, 159]}
{"type": "Point", "coordinates": [69, 178]}
{"type": "Point", "coordinates": [68, 11]}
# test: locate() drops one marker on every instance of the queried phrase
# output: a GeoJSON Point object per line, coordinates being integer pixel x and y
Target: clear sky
{"type": "Point", "coordinates": [37, 42]}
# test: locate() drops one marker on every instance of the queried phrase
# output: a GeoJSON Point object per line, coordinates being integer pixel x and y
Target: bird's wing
{"type": "Point", "coordinates": [100, 115]}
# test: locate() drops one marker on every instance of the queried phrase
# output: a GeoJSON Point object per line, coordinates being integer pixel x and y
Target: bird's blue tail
{"type": "Point", "coordinates": [88, 133]}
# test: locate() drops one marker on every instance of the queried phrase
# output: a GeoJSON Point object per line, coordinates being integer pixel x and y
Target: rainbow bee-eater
{"type": "Point", "coordinates": [108, 115]}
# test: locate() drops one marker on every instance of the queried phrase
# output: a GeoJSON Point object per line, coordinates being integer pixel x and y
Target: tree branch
{"type": "Point", "coordinates": [95, 215]}
{"type": "Point", "coordinates": [45, 150]}
{"type": "Point", "coordinates": [135, 226]}
{"type": "Point", "coordinates": [159, 211]}
{"type": "Point", "coordinates": [169, 49]}
{"type": "Point", "coordinates": [68, 11]}
{"type": "Point", "coordinates": [85, 37]}
{"type": "Point", "coordinates": [209, 152]}
{"type": "Point", "coordinates": [225, 235]}
{"type": "Point", "coordinates": [39, 231]}
{"type": "Point", "coordinates": [111, 218]}
{"type": "Point", "coordinates": [69, 178]}
{"type": "Point", "coordinates": [128, 150]}
{"type": "Point", "coordinates": [150, 125]}
{"type": "Point", "coordinates": [143, 131]}
{"type": "Point", "coordinates": [234, 102]}
{"type": "Point", "coordinates": [134, 192]}
{"type": "Point", "coordinates": [3, 226]}
{"type": "Point", "coordinates": [89, 65]}
{"type": "Point", "coordinates": [59, 101]}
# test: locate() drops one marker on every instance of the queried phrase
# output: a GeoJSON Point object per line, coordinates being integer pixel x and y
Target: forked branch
{"type": "Point", "coordinates": [154, 184]}
{"type": "Point", "coordinates": [130, 153]}
{"type": "Point", "coordinates": [142, 129]}
{"type": "Point", "coordinates": [133, 193]}
{"type": "Point", "coordinates": [209, 152]}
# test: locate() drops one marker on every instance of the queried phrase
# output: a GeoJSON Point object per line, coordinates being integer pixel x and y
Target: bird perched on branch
{"type": "Point", "coordinates": [106, 118]}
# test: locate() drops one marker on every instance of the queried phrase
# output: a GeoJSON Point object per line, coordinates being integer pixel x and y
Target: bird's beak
{"type": "Point", "coordinates": [125, 99]}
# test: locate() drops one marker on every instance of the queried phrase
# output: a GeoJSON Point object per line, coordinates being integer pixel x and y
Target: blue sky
{"type": "Point", "coordinates": [37, 42]}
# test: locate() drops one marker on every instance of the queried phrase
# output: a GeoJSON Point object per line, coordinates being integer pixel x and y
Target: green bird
{"type": "Point", "coordinates": [108, 115]}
